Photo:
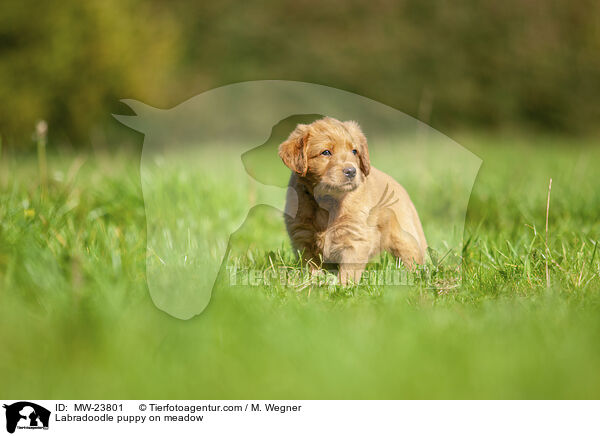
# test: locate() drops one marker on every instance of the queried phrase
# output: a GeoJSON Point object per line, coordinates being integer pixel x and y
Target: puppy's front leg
{"type": "Point", "coordinates": [351, 266]}
{"type": "Point", "coordinates": [310, 259]}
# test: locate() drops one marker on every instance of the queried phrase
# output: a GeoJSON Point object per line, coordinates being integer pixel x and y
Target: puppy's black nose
{"type": "Point", "coordinates": [349, 172]}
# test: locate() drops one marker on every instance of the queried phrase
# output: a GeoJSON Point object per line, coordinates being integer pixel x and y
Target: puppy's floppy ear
{"type": "Point", "coordinates": [362, 146]}
{"type": "Point", "coordinates": [293, 151]}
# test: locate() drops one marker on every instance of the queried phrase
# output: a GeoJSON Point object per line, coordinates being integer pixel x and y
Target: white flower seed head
{"type": "Point", "coordinates": [41, 128]}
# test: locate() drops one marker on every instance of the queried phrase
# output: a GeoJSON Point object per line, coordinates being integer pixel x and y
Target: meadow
{"type": "Point", "coordinates": [77, 321]}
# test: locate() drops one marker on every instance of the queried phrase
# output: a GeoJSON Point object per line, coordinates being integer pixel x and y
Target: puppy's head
{"type": "Point", "coordinates": [328, 153]}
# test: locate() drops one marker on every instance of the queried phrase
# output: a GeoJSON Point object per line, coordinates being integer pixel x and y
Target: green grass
{"type": "Point", "coordinates": [77, 321]}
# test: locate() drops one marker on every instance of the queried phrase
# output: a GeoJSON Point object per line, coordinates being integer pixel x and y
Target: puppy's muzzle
{"type": "Point", "coordinates": [349, 172]}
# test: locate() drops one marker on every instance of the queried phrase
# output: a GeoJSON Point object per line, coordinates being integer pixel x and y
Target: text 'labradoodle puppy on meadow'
{"type": "Point", "coordinates": [341, 210]}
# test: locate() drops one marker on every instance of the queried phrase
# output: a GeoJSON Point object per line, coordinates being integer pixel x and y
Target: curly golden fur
{"type": "Point", "coordinates": [341, 210]}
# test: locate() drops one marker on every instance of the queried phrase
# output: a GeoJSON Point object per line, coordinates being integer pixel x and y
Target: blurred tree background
{"type": "Point", "coordinates": [463, 64]}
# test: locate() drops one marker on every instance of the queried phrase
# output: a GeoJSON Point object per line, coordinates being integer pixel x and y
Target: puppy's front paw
{"type": "Point", "coordinates": [350, 276]}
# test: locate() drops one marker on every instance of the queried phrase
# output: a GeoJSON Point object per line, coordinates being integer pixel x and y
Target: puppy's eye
{"type": "Point", "coordinates": [354, 152]}
{"type": "Point", "coordinates": [326, 153]}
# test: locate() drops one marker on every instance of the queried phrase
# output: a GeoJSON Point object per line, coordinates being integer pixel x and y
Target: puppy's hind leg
{"type": "Point", "coordinates": [400, 243]}
{"type": "Point", "coordinates": [405, 246]}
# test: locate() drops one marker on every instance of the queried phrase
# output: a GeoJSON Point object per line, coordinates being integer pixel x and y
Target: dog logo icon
{"type": "Point", "coordinates": [26, 415]}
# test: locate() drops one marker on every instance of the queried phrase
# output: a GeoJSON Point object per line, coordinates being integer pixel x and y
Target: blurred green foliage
{"type": "Point", "coordinates": [455, 65]}
{"type": "Point", "coordinates": [70, 62]}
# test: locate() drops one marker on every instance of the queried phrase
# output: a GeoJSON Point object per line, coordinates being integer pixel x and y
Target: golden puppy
{"type": "Point", "coordinates": [339, 208]}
